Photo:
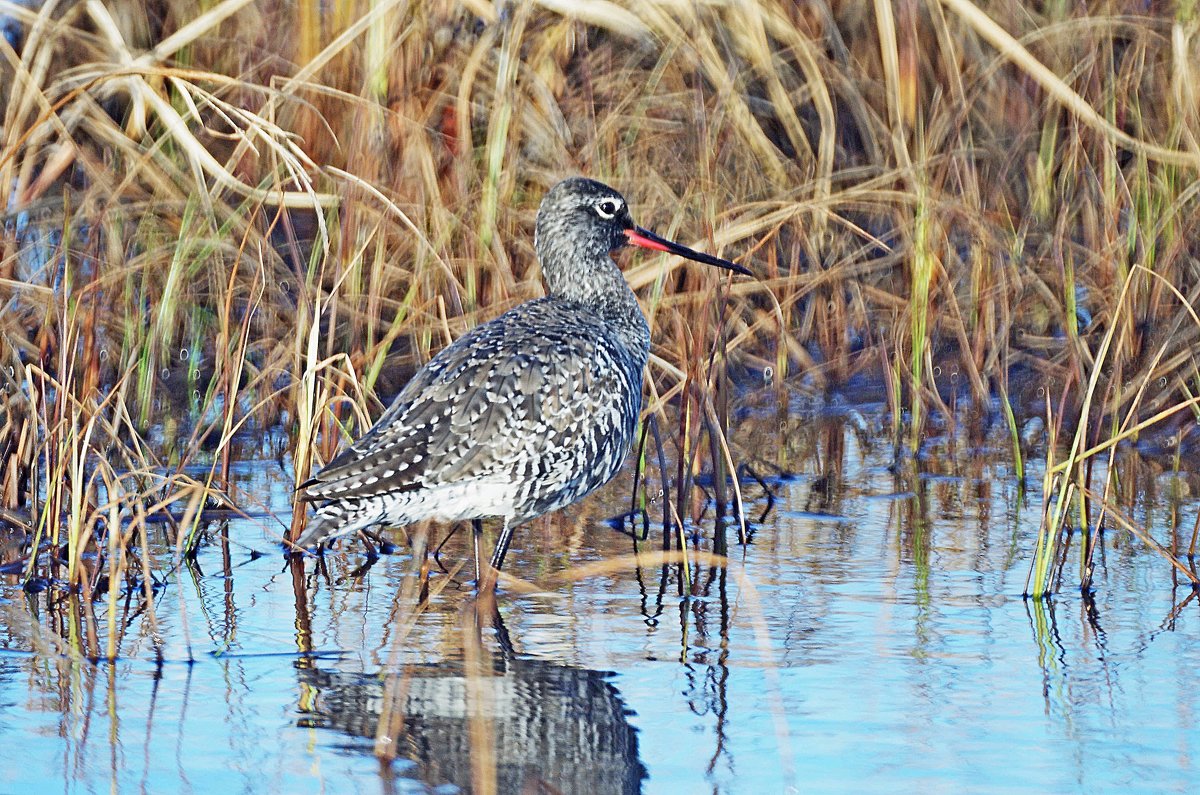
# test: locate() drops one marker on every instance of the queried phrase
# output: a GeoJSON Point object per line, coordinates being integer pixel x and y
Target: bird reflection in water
{"type": "Point", "coordinates": [551, 727]}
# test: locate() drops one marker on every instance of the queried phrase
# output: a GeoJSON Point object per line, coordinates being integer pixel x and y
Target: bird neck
{"type": "Point", "coordinates": [597, 284]}
{"type": "Point", "coordinates": [595, 281]}
{"type": "Point", "coordinates": [577, 267]}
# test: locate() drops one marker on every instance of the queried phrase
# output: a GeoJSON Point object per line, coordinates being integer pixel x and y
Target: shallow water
{"type": "Point", "coordinates": [871, 637]}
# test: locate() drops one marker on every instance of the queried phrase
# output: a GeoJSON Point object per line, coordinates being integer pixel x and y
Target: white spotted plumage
{"type": "Point", "coordinates": [524, 414]}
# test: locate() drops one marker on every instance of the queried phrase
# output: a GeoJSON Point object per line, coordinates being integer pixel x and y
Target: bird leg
{"type": "Point", "coordinates": [385, 546]}
{"type": "Point", "coordinates": [487, 585]}
{"type": "Point", "coordinates": [477, 531]}
{"type": "Point", "coordinates": [502, 545]}
{"type": "Point", "coordinates": [372, 553]}
{"type": "Point", "coordinates": [437, 551]}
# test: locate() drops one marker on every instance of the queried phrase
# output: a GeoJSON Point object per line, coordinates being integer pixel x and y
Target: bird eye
{"type": "Point", "coordinates": [608, 208]}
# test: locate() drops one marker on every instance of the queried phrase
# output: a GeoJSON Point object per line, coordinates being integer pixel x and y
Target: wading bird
{"type": "Point", "coordinates": [524, 414]}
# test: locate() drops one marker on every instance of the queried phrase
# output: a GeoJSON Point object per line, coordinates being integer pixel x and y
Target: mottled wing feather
{"type": "Point", "coordinates": [504, 396]}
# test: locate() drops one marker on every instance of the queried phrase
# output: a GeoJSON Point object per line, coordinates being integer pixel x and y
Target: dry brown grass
{"type": "Point", "coordinates": [271, 212]}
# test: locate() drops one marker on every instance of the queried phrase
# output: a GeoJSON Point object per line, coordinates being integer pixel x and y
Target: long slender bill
{"type": "Point", "coordinates": [647, 239]}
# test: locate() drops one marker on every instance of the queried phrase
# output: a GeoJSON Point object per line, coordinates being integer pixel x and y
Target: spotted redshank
{"type": "Point", "coordinates": [524, 414]}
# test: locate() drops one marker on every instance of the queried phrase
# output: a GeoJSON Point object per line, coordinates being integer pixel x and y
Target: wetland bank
{"type": "Point", "coordinates": [957, 409]}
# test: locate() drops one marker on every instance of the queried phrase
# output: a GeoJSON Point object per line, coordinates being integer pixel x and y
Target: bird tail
{"type": "Point", "coordinates": [337, 519]}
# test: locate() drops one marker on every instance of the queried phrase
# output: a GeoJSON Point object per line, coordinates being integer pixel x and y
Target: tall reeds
{"type": "Point", "coordinates": [248, 217]}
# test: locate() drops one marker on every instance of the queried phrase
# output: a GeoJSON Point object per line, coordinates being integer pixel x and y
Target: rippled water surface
{"type": "Point", "coordinates": [870, 637]}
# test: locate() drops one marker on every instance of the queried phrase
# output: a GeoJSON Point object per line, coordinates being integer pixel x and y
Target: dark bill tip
{"type": "Point", "coordinates": [647, 239]}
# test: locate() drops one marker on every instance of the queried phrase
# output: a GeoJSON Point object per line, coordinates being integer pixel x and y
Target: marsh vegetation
{"type": "Point", "coordinates": [229, 234]}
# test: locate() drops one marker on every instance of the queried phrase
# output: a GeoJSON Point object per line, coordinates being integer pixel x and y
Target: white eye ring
{"type": "Point", "coordinates": [608, 208]}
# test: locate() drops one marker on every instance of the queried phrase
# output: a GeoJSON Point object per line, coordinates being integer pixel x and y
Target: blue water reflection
{"type": "Point", "coordinates": [872, 637]}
